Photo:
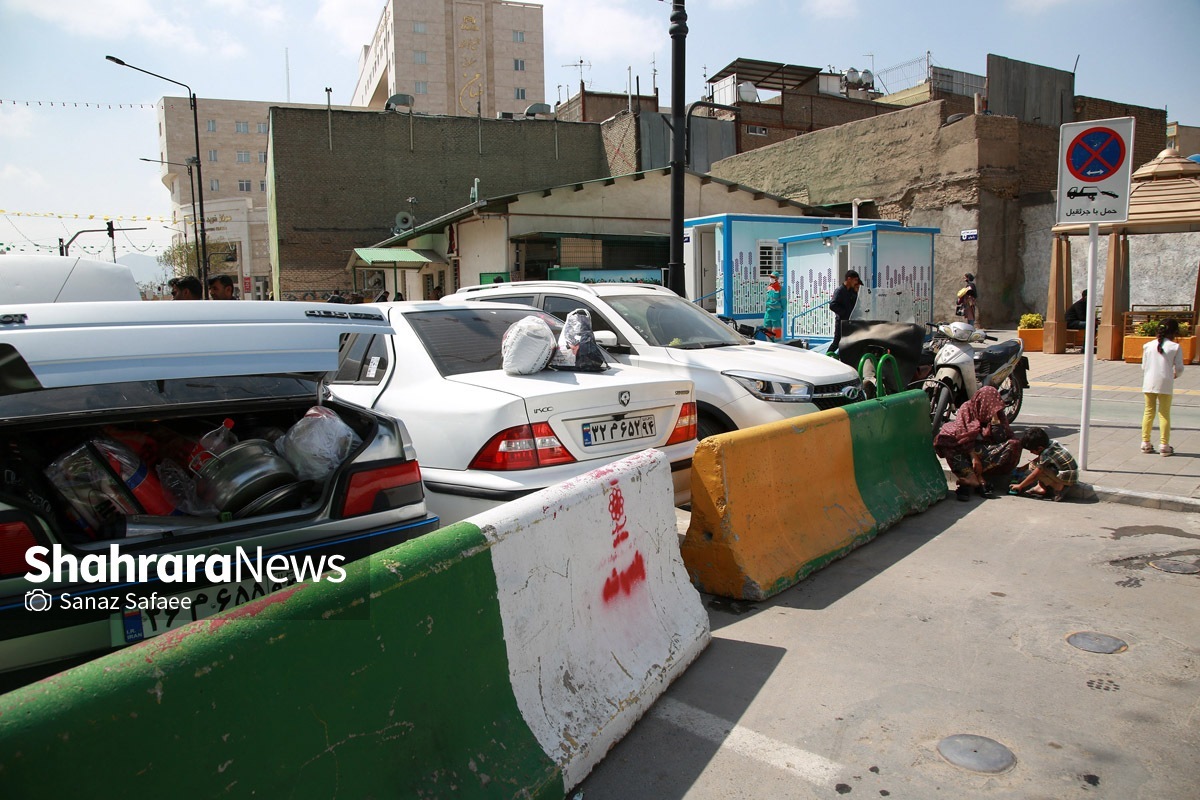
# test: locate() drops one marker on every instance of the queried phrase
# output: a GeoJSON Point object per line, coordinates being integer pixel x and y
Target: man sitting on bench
{"type": "Point", "coordinates": [1077, 314]}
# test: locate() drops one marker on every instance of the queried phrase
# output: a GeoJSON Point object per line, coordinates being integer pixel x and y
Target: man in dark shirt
{"type": "Point", "coordinates": [842, 304]}
{"type": "Point", "coordinates": [1077, 314]}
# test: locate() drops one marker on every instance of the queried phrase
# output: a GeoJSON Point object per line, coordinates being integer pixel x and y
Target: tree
{"type": "Point", "coordinates": [180, 257]}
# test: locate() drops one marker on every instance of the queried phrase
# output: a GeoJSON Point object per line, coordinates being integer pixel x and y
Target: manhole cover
{"type": "Point", "coordinates": [976, 753]}
{"type": "Point", "coordinates": [1169, 565]}
{"type": "Point", "coordinates": [1097, 642]}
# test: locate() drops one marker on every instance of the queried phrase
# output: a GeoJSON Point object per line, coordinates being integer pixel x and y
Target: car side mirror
{"type": "Point", "coordinates": [606, 338]}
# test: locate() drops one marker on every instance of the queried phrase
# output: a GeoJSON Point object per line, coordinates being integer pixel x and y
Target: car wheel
{"type": "Point", "coordinates": [707, 426]}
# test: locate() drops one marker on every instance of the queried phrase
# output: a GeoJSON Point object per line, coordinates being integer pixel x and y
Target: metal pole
{"type": "Point", "coordinates": [192, 184]}
{"type": "Point", "coordinates": [1089, 336]}
{"type": "Point", "coordinates": [679, 31]}
{"type": "Point", "coordinates": [200, 194]}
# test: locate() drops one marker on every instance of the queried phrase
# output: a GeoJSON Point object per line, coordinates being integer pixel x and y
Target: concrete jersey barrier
{"type": "Point", "coordinates": [499, 657]}
{"type": "Point", "coordinates": [773, 503]}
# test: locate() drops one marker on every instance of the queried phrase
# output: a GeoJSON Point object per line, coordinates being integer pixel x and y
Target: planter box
{"type": "Point", "coordinates": [1031, 339]}
{"type": "Point", "coordinates": [1132, 350]}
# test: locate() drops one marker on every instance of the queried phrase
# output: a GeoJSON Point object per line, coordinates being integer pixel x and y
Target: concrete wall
{"type": "Point", "coordinates": [330, 198]}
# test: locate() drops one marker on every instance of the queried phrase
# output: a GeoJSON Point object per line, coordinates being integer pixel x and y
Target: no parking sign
{"type": "Point", "coordinates": [1094, 165]}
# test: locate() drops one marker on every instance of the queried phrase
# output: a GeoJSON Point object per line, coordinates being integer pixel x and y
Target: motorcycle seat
{"type": "Point", "coordinates": [999, 353]}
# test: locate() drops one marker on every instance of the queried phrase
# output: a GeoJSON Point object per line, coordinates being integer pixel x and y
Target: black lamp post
{"type": "Point", "coordinates": [678, 32]}
{"type": "Point", "coordinates": [187, 165]}
{"type": "Point", "coordinates": [199, 172]}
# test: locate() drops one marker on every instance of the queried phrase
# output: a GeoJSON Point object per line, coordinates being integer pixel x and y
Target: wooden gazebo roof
{"type": "Point", "coordinates": [1164, 197]}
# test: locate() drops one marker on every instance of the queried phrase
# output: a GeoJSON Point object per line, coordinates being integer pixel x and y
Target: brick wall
{"type": "Point", "coordinates": [327, 201]}
{"type": "Point", "coordinates": [621, 143]}
{"type": "Point", "coordinates": [1149, 130]}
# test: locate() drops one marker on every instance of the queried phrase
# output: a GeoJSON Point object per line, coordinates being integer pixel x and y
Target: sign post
{"type": "Point", "coordinates": [1094, 167]}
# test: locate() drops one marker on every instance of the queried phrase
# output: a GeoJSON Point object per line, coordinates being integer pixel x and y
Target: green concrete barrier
{"type": "Point", "coordinates": [498, 657]}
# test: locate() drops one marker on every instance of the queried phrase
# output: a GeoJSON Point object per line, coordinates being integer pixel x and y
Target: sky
{"type": "Point", "coordinates": [73, 126]}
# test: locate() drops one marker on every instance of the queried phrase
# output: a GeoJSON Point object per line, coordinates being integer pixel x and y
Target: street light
{"type": "Point", "coordinates": [679, 32]}
{"type": "Point", "coordinates": [187, 165]}
{"type": "Point", "coordinates": [199, 172]}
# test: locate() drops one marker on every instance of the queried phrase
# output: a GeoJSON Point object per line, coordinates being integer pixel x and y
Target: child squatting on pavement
{"type": "Point", "coordinates": [1052, 471]}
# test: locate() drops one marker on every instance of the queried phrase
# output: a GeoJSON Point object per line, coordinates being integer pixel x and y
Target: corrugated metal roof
{"type": "Point", "coordinates": [371, 256]}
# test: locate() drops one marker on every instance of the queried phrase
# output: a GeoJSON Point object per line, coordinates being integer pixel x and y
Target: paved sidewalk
{"type": "Point", "coordinates": [1117, 470]}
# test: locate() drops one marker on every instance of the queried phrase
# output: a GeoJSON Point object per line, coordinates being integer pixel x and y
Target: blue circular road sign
{"type": "Point", "coordinates": [1096, 154]}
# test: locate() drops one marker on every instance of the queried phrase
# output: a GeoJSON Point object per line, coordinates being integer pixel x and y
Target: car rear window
{"type": "Point", "coordinates": [462, 340]}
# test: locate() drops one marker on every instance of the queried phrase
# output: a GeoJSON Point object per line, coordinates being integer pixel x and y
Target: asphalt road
{"type": "Point", "coordinates": [953, 622]}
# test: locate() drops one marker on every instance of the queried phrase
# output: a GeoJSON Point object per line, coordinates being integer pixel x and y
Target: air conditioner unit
{"type": "Point", "coordinates": [505, 115]}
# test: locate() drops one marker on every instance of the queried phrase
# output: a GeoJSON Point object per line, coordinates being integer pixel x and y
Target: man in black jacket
{"type": "Point", "coordinates": [843, 302]}
{"type": "Point", "coordinates": [1077, 314]}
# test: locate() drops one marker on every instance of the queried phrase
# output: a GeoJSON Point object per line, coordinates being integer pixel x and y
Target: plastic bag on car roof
{"type": "Point", "coordinates": [577, 348]}
{"type": "Point", "coordinates": [526, 346]}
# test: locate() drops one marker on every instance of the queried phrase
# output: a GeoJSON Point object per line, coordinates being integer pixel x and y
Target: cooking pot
{"type": "Point", "coordinates": [243, 473]}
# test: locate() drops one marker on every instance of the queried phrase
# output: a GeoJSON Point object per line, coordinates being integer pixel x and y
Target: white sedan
{"type": "Point", "coordinates": [485, 437]}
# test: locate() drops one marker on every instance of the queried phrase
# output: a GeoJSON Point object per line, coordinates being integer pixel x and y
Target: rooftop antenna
{"type": "Point", "coordinates": [579, 67]}
{"type": "Point", "coordinates": [653, 74]}
{"type": "Point", "coordinates": [287, 75]}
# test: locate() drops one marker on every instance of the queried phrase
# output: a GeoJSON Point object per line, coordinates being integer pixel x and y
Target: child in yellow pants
{"type": "Point", "coordinates": [1162, 363]}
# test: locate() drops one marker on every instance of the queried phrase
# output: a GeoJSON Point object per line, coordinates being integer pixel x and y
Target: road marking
{"type": "Point", "coordinates": [1138, 389]}
{"type": "Point", "coordinates": [811, 767]}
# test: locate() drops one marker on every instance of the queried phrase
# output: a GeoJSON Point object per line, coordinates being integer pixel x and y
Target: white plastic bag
{"type": "Point", "coordinates": [526, 346]}
{"type": "Point", "coordinates": [317, 444]}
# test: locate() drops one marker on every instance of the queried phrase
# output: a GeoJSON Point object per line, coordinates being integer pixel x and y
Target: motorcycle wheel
{"type": "Point", "coordinates": [1013, 394]}
{"type": "Point", "coordinates": [943, 408]}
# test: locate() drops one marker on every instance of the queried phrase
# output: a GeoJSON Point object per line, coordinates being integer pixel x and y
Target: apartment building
{"type": "Point", "coordinates": [455, 57]}
{"type": "Point", "coordinates": [234, 136]}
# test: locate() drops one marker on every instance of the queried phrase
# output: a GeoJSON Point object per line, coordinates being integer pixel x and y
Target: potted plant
{"type": "Point", "coordinates": [1148, 331]}
{"type": "Point", "coordinates": [1029, 329]}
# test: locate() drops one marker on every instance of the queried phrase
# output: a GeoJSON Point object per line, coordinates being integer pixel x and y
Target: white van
{"type": "Point", "coordinates": [64, 279]}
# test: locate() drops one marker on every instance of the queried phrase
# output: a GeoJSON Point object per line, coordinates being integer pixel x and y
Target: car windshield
{"type": "Point", "coordinates": [158, 396]}
{"type": "Point", "coordinates": [669, 321]}
{"type": "Point", "coordinates": [462, 340]}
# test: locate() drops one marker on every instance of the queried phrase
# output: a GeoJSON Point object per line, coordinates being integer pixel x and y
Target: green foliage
{"type": "Point", "coordinates": [180, 258]}
{"type": "Point", "coordinates": [1150, 328]}
{"type": "Point", "coordinates": [1031, 321]}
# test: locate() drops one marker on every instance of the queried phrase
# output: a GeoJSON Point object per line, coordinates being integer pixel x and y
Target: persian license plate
{"type": "Point", "coordinates": [618, 430]}
{"type": "Point", "coordinates": [134, 625]}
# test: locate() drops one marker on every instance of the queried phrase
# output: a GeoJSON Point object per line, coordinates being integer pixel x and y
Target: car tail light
{"type": "Point", "coordinates": [378, 488]}
{"type": "Point", "coordinates": [522, 447]}
{"type": "Point", "coordinates": [685, 427]}
{"type": "Point", "coordinates": [16, 537]}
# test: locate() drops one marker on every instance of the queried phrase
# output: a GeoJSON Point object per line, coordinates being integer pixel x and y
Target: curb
{"type": "Point", "coordinates": [1109, 494]}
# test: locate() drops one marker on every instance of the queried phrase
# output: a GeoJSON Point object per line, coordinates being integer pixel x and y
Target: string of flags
{"type": "Point", "coordinates": [76, 104]}
{"type": "Point", "coordinates": [99, 217]}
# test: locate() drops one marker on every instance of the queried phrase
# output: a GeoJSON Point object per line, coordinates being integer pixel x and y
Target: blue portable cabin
{"type": "Point", "coordinates": [728, 258]}
{"type": "Point", "coordinates": [894, 262]}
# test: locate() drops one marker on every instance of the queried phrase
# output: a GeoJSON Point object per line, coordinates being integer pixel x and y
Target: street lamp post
{"type": "Point", "coordinates": [187, 165]}
{"type": "Point", "coordinates": [678, 31]}
{"type": "Point", "coordinates": [199, 171]}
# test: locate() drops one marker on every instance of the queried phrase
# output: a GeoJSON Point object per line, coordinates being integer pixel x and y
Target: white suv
{"type": "Point", "coordinates": [739, 382]}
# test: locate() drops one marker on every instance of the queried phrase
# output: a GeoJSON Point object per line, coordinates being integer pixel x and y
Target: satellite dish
{"type": "Point", "coordinates": [537, 108]}
{"type": "Point", "coordinates": [852, 77]}
{"type": "Point", "coordinates": [404, 222]}
{"type": "Point", "coordinates": [747, 93]}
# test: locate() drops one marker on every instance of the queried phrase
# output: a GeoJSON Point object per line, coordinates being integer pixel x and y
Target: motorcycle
{"type": "Point", "coordinates": [954, 369]}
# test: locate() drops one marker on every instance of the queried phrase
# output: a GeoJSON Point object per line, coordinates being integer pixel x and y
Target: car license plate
{"type": "Point", "coordinates": [618, 430]}
{"type": "Point", "coordinates": [134, 625]}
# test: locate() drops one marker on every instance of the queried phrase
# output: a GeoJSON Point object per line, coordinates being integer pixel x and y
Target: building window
{"type": "Point", "coordinates": [420, 57]}
{"type": "Point", "coordinates": [243, 156]}
{"type": "Point", "coordinates": [262, 156]}
{"type": "Point", "coordinates": [518, 65]}
{"type": "Point", "coordinates": [212, 126]}
{"type": "Point", "coordinates": [518, 36]}
{"type": "Point", "coordinates": [243, 186]}
{"type": "Point", "coordinates": [756, 130]}
{"type": "Point", "coordinates": [212, 155]}
{"type": "Point", "coordinates": [422, 87]}
{"type": "Point", "coordinates": [263, 127]}
{"type": "Point", "coordinates": [418, 27]}
{"type": "Point", "coordinates": [262, 186]}
{"type": "Point", "coordinates": [770, 258]}
{"type": "Point", "coordinates": [241, 127]}
{"type": "Point", "coordinates": [214, 185]}
{"type": "Point", "coordinates": [518, 93]}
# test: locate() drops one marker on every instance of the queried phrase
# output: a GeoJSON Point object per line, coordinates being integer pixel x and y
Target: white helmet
{"type": "Point", "coordinates": [961, 331]}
